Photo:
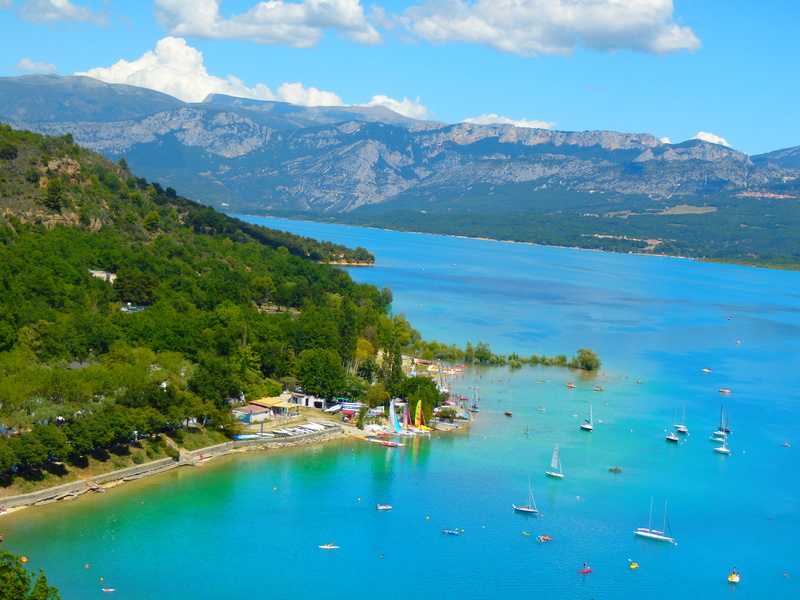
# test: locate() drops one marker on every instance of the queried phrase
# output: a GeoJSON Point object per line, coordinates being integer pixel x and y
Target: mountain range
{"type": "Point", "coordinates": [256, 156]}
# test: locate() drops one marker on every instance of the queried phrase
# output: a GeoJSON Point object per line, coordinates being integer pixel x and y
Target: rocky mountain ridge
{"type": "Point", "coordinates": [252, 155]}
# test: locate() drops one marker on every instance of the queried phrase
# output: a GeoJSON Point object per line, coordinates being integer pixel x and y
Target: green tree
{"type": "Point", "coordinates": [320, 372]}
{"type": "Point", "coordinates": [54, 194]}
{"type": "Point", "coordinates": [586, 360]}
{"type": "Point", "coordinates": [15, 581]}
{"type": "Point", "coordinates": [482, 352]}
{"type": "Point", "coordinates": [151, 220]}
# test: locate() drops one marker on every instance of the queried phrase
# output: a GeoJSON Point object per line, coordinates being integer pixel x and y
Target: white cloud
{"type": "Point", "coordinates": [5, 4]}
{"type": "Point", "coordinates": [710, 137]}
{"type": "Point", "coordinates": [272, 22]}
{"type": "Point", "coordinates": [26, 65]}
{"type": "Point", "coordinates": [493, 118]}
{"type": "Point", "coordinates": [295, 93]}
{"type": "Point", "coordinates": [177, 69]}
{"type": "Point", "coordinates": [52, 11]}
{"type": "Point", "coordinates": [534, 27]}
{"type": "Point", "coordinates": [405, 107]}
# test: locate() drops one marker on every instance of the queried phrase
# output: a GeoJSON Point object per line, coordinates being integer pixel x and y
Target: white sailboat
{"type": "Point", "coordinates": [654, 534]}
{"type": "Point", "coordinates": [530, 507]}
{"type": "Point", "coordinates": [589, 424]}
{"type": "Point", "coordinates": [555, 464]}
{"type": "Point", "coordinates": [724, 448]}
{"type": "Point", "coordinates": [680, 427]}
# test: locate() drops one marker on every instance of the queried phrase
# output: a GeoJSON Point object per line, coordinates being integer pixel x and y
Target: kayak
{"type": "Point", "coordinates": [329, 547]}
{"type": "Point", "coordinates": [585, 570]}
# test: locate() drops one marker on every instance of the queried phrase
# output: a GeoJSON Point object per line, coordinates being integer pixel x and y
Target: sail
{"type": "Point", "coordinates": [554, 462]}
{"type": "Point", "coordinates": [393, 416]}
{"type": "Point", "coordinates": [418, 416]}
{"type": "Point", "coordinates": [405, 416]}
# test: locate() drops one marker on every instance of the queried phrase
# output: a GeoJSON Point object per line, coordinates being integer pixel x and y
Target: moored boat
{"type": "Point", "coordinates": [654, 534]}
{"type": "Point", "coordinates": [530, 507]}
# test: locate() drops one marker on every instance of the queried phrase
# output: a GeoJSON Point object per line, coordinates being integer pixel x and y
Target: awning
{"type": "Point", "coordinates": [349, 411]}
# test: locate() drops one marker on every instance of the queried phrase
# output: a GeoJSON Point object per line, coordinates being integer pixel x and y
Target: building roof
{"type": "Point", "coordinates": [251, 409]}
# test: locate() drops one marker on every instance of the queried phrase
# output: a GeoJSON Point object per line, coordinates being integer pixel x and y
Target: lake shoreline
{"type": "Point", "coordinates": [100, 483]}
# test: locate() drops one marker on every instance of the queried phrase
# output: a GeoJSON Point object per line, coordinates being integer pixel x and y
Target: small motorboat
{"type": "Point", "coordinates": [390, 444]}
{"type": "Point", "coordinates": [384, 507]}
{"type": "Point", "coordinates": [451, 531]}
{"type": "Point", "coordinates": [615, 469]}
{"type": "Point", "coordinates": [724, 391]}
{"type": "Point", "coordinates": [544, 538]}
{"type": "Point", "coordinates": [598, 388]}
{"type": "Point", "coordinates": [329, 546]}
{"type": "Point", "coordinates": [570, 385]}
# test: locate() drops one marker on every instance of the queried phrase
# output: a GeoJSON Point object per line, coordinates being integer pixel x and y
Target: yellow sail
{"type": "Point", "coordinates": [418, 421]}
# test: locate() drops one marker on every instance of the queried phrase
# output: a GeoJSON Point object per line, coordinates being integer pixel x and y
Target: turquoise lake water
{"type": "Point", "coordinates": [251, 525]}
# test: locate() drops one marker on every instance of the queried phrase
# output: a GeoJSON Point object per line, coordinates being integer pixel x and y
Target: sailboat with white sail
{"type": "Point", "coordinates": [555, 464]}
{"type": "Point", "coordinates": [588, 425]}
{"type": "Point", "coordinates": [681, 427]}
{"type": "Point", "coordinates": [530, 507]}
{"type": "Point", "coordinates": [654, 534]}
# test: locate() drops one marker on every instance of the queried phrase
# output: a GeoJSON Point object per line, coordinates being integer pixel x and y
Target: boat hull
{"type": "Point", "coordinates": [651, 535]}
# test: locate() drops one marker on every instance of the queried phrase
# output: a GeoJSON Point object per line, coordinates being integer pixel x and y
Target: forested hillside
{"type": "Point", "coordinates": [127, 308]}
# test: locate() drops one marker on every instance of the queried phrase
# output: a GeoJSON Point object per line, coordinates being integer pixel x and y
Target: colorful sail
{"type": "Point", "coordinates": [405, 416]}
{"type": "Point", "coordinates": [418, 417]}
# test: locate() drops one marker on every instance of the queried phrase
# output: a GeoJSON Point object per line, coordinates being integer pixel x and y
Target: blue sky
{"type": "Point", "coordinates": [726, 68]}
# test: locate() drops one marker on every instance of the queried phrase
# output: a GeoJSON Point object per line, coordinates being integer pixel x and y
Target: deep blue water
{"type": "Point", "coordinates": [251, 525]}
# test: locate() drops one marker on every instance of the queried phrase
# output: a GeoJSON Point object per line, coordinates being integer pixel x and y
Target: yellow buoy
{"type": "Point", "coordinates": [24, 559]}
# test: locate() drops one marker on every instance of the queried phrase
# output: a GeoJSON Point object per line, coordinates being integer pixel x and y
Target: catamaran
{"type": "Point", "coordinates": [555, 464]}
{"type": "Point", "coordinates": [588, 425]}
{"type": "Point", "coordinates": [654, 534]}
{"type": "Point", "coordinates": [530, 507]}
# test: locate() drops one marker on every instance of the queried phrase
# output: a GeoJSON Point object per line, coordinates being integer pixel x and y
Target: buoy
{"type": "Point", "coordinates": [273, 489]}
{"type": "Point", "coordinates": [24, 559]}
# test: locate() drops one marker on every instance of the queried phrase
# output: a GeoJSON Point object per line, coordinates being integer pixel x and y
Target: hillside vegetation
{"type": "Point", "coordinates": [128, 311]}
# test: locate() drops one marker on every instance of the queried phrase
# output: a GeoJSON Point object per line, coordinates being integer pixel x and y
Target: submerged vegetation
{"type": "Point", "coordinates": [480, 353]}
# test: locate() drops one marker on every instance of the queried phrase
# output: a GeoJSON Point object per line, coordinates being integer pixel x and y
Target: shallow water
{"type": "Point", "coordinates": [251, 525]}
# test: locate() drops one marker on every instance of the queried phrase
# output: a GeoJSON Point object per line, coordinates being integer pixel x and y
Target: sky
{"type": "Point", "coordinates": [722, 70]}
